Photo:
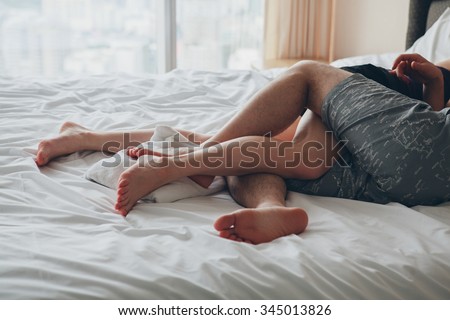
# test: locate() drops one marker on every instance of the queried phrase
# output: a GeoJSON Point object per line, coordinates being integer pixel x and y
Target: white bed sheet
{"type": "Point", "coordinates": [61, 239]}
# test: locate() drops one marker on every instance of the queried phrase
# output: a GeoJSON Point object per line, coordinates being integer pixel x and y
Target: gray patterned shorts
{"type": "Point", "coordinates": [398, 148]}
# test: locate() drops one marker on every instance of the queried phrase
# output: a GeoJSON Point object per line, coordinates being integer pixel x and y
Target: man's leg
{"type": "Point", "coordinates": [266, 217]}
{"type": "Point", "coordinates": [279, 104]}
{"type": "Point", "coordinates": [305, 85]}
{"type": "Point", "coordinates": [262, 189]}
{"type": "Point", "coordinates": [256, 190]}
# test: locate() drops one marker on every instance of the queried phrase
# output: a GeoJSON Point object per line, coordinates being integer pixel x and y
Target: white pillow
{"type": "Point", "coordinates": [384, 60]}
{"type": "Point", "coordinates": [434, 45]}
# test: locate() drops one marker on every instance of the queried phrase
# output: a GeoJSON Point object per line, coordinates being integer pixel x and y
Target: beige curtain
{"type": "Point", "coordinates": [299, 29]}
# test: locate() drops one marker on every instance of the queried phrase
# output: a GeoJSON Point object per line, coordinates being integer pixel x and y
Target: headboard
{"type": "Point", "coordinates": [422, 15]}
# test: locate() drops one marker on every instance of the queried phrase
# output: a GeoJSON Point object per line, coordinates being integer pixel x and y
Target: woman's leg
{"type": "Point", "coordinates": [249, 190]}
{"type": "Point", "coordinates": [304, 85]}
{"type": "Point", "coordinates": [266, 218]}
{"type": "Point", "coordinates": [273, 109]}
{"type": "Point", "coordinates": [74, 137]}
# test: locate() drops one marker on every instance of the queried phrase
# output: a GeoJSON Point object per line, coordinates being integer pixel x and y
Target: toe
{"type": "Point", "coordinates": [128, 207]}
{"type": "Point", "coordinates": [140, 153]}
{"type": "Point", "coordinates": [226, 233]}
{"type": "Point", "coordinates": [122, 191]}
{"type": "Point", "coordinates": [121, 198]}
{"type": "Point", "coordinates": [131, 152]}
{"type": "Point", "coordinates": [225, 222]}
{"type": "Point", "coordinates": [123, 182]}
{"type": "Point", "coordinates": [39, 159]}
{"type": "Point", "coordinates": [42, 154]}
{"type": "Point", "coordinates": [120, 205]}
{"type": "Point", "coordinates": [123, 201]}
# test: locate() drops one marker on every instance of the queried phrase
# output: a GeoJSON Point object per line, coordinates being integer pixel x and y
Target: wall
{"type": "Point", "coordinates": [370, 26]}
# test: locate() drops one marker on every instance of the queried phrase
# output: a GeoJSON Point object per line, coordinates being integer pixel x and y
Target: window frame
{"type": "Point", "coordinates": [167, 38]}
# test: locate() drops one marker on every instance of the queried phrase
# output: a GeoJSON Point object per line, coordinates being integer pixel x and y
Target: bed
{"type": "Point", "coordinates": [60, 237]}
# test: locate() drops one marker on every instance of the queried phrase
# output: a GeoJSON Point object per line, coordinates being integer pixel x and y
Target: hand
{"type": "Point", "coordinates": [414, 66]}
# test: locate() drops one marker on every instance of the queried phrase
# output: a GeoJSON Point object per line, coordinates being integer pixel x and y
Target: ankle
{"type": "Point", "coordinates": [89, 141]}
{"type": "Point", "coordinates": [270, 203]}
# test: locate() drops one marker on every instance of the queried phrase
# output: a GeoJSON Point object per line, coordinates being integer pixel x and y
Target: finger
{"type": "Point", "coordinates": [397, 62]}
{"type": "Point", "coordinates": [408, 57]}
{"type": "Point", "coordinates": [393, 72]}
{"type": "Point", "coordinates": [401, 58]}
{"type": "Point", "coordinates": [418, 66]}
{"type": "Point", "coordinates": [402, 71]}
{"type": "Point", "coordinates": [425, 71]}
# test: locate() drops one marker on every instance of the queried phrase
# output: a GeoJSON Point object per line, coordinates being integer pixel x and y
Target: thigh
{"type": "Point", "coordinates": [321, 79]}
{"type": "Point", "coordinates": [289, 133]}
{"type": "Point", "coordinates": [320, 149]}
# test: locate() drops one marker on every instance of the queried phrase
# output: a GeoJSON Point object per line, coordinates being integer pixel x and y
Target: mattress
{"type": "Point", "coordinates": [60, 237]}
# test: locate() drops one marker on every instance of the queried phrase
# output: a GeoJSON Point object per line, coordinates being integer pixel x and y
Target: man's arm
{"type": "Point", "coordinates": [445, 64]}
{"type": "Point", "coordinates": [433, 93]}
{"type": "Point", "coordinates": [414, 66]}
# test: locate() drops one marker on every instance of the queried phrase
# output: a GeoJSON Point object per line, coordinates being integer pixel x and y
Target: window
{"type": "Point", "coordinates": [60, 37]}
{"type": "Point", "coordinates": [219, 34]}
{"type": "Point", "coordinates": [64, 37]}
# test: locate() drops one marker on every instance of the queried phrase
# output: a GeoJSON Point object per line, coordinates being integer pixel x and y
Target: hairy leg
{"type": "Point", "coordinates": [306, 85]}
{"type": "Point", "coordinates": [255, 190]}
{"type": "Point", "coordinates": [266, 217]}
{"type": "Point", "coordinates": [306, 158]}
{"type": "Point", "coordinates": [279, 104]}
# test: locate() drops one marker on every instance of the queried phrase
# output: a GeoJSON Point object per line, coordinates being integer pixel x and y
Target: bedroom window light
{"type": "Point", "coordinates": [213, 34]}
{"type": "Point", "coordinates": [63, 37]}
{"type": "Point", "coordinates": [66, 37]}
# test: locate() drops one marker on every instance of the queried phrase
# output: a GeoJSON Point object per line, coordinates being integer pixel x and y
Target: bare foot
{"type": "Point", "coordinates": [261, 224]}
{"type": "Point", "coordinates": [70, 139]}
{"type": "Point", "coordinates": [137, 152]}
{"type": "Point", "coordinates": [139, 180]}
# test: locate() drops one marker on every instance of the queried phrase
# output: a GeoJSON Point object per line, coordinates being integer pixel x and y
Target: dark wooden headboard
{"type": "Point", "coordinates": [422, 15]}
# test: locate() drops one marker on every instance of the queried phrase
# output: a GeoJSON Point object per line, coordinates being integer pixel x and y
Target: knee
{"type": "Point", "coordinates": [305, 67]}
{"type": "Point", "coordinates": [312, 174]}
{"type": "Point", "coordinates": [306, 71]}
{"type": "Point", "coordinates": [311, 171]}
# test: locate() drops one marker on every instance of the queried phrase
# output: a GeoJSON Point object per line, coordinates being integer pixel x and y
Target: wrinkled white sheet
{"type": "Point", "coordinates": [61, 239]}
